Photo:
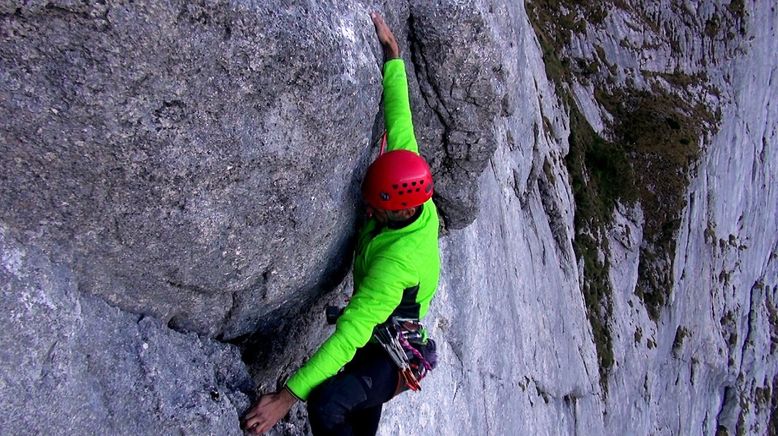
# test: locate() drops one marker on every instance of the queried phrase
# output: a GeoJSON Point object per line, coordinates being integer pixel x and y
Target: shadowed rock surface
{"type": "Point", "coordinates": [74, 365]}
{"type": "Point", "coordinates": [176, 173]}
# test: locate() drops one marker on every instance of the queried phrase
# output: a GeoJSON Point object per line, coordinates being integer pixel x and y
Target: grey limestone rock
{"type": "Point", "coordinates": [465, 88]}
{"type": "Point", "coordinates": [196, 165]}
{"type": "Point", "coordinates": [200, 159]}
{"type": "Point", "coordinates": [72, 364]}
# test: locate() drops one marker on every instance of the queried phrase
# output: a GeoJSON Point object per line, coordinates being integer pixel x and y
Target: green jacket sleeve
{"type": "Point", "coordinates": [379, 293]}
{"type": "Point", "coordinates": [397, 108]}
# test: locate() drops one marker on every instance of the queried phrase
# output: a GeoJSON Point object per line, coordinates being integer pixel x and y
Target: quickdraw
{"type": "Point", "coordinates": [395, 336]}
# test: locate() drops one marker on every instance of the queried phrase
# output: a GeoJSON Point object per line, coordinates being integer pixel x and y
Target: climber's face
{"type": "Point", "coordinates": [384, 216]}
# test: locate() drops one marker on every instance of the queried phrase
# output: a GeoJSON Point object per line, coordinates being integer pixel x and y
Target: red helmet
{"type": "Point", "coordinates": [397, 180]}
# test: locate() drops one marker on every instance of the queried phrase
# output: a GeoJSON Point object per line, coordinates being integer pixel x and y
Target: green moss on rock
{"type": "Point", "coordinates": [661, 132]}
{"type": "Point", "coordinates": [681, 333]}
{"type": "Point", "coordinates": [647, 157]}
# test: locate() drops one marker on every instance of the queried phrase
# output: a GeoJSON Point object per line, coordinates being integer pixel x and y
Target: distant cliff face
{"type": "Point", "coordinates": [626, 280]}
{"type": "Point", "coordinates": [606, 174]}
{"type": "Point", "coordinates": [682, 274]}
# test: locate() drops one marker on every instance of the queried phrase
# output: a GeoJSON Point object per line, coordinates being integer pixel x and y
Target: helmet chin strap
{"type": "Point", "coordinates": [383, 144]}
{"type": "Point", "coordinates": [370, 212]}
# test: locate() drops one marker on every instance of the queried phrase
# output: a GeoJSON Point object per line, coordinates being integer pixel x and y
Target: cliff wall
{"type": "Point", "coordinates": [180, 191]}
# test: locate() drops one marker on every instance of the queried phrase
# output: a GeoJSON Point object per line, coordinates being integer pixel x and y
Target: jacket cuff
{"type": "Point", "coordinates": [394, 61]}
{"type": "Point", "coordinates": [297, 389]}
{"type": "Point", "coordinates": [288, 389]}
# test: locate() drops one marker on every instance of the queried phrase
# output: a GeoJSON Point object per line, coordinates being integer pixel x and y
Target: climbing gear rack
{"type": "Point", "coordinates": [400, 337]}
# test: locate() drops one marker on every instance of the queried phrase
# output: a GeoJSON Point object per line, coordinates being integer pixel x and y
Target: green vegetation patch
{"type": "Point", "coordinates": [762, 397]}
{"type": "Point", "coordinates": [542, 22]}
{"type": "Point", "coordinates": [738, 9]}
{"type": "Point", "coordinates": [600, 173]}
{"type": "Point", "coordinates": [681, 333]}
{"type": "Point", "coordinates": [773, 319]}
{"type": "Point", "coordinates": [660, 131]}
{"type": "Point", "coordinates": [648, 157]}
{"type": "Point", "coordinates": [601, 177]}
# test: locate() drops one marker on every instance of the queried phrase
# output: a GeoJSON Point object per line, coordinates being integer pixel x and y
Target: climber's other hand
{"type": "Point", "coordinates": [268, 411]}
{"type": "Point", "coordinates": [385, 36]}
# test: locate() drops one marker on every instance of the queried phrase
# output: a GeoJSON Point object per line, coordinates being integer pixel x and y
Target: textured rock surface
{"type": "Point", "coordinates": [74, 365]}
{"type": "Point", "coordinates": [707, 363]}
{"type": "Point", "coordinates": [465, 89]}
{"type": "Point", "coordinates": [199, 161]}
{"type": "Point", "coordinates": [177, 148]}
{"type": "Point", "coordinates": [176, 159]}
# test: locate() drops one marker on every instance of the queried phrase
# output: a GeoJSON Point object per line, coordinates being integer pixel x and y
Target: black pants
{"type": "Point", "coordinates": [350, 402]}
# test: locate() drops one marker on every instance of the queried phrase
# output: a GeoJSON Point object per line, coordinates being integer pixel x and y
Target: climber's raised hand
{"type": "Point", "coordinates": [385, 36]}
{"type": "Point", "coordinates": [268, 411]}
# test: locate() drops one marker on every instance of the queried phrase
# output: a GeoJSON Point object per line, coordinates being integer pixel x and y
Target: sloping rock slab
{"type": "Point", "coordinates": [72, 364]}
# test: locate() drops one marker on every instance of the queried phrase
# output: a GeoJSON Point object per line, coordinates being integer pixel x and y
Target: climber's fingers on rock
{"type": "Point", "coordinates": [385, 35]}
{"type": "Point", "coordinates": [253, 419]}
{"type": "Point", "coordinates": [378, 22]}
{"type": "Point", "coordinates": [249, 422]}
{"type": "Point", "coordinates": [268, 411]}
{"type": "Point", "coordinates": [381, 29]}
{"type": "Point", "coordinates": [256, 425]}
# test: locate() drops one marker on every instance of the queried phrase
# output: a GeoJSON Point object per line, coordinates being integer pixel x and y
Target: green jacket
{"type": "Point", "coordinates": [396, 269]}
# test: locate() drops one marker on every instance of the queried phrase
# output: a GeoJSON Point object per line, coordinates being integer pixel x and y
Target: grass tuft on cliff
{"type": "Point", "coordinates": [647, 156]}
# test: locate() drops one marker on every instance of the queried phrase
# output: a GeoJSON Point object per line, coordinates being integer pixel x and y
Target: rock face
{"type": "Point", "coordinates": [702, 358]}
{"type": "Point", "coordinates": [177, 149]}
{"type": "Point", "coordinates": [466, 91]}
{"type": "Point", "coordinates": [74, 365]}
{"type": "Point", "coordinates": [177, 173]}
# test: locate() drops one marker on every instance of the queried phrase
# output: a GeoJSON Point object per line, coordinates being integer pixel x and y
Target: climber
{"type": "Point", "coordinates": [396, 270]}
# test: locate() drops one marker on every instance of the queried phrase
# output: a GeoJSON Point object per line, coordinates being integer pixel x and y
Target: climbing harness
{"type": "Point", "coordinates": [405, 341]}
